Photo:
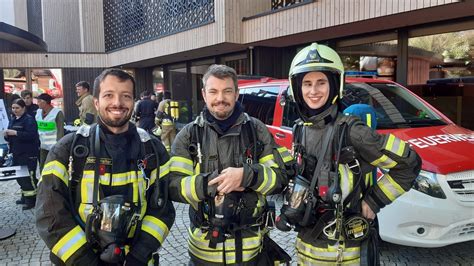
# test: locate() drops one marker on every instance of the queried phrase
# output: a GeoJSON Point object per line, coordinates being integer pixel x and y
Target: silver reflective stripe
{"type": "Point", "coordinates": [390, 188]}
{"type": "Point", "coordinates": [316, 253]}
{"type": "Point", "coordinates": [154, 227]}
{"type": "Point", "coordinates": [269, 179]}
{"type": "Point", "coordinates": [346, 176]}
{"type": "Point", "coordinates": [269, 163]}
{"type": "Point", "coordinates": [183, 167]}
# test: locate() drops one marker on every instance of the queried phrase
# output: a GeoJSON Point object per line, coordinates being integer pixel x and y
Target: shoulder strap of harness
{"type": "Point", "coordinates": [348, 121]}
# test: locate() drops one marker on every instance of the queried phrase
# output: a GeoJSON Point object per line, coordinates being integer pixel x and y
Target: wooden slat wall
{"type": "Point", "coordinates": [253, 7]}
{"type": "Point", "coordinates": [61, 25]}
{"type": "Point", "coordinates": [327, 13]}
{"type": "Point", "coordinates": [92, 26]}
{"type": "Point", "coordinates": [418, 71]}
{"type": "Point", "coordinates": [52, 60]}
{"type": "Point", "coordinates": [70, 78]}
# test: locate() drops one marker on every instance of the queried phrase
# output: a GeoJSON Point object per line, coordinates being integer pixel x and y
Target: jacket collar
{"type": "Point", "coordinates": [324, 118]}
{"type": "Point", "coordinates": [234, 130]}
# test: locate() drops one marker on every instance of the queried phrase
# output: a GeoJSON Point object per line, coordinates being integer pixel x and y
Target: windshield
{"type": "Point", "coordinates": [394, 106]}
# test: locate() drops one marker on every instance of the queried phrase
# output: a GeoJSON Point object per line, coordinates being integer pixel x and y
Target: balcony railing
{"type": "Point", "coordinates": [277, 4]}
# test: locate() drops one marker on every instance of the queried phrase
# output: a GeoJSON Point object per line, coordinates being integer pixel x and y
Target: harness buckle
{"type": "Point", "coordinates": [354, 164]}
{"type": "Point", "coordinates": [141, 164]}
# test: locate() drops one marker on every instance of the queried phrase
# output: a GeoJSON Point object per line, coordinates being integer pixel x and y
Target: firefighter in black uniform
{"type": "Point", "coordinates": [102, 197]}
{"type": "Point", "coordinates": [22, 136]}
{"type": "Point", "coordinates": [146, 109]}
{"type": "Point", "coordinates": [333, 199]}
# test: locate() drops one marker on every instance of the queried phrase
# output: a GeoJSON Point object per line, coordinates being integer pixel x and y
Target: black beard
{"type": "Point", "coordinates": [116, 123]}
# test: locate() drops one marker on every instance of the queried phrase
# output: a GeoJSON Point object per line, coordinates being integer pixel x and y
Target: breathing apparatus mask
{"type": "Point", "coordinates": [108, 226]}
{"type": "Point", "coordinates": [225, 210]}
{"type": "Point", "coordinates": [294, 204]}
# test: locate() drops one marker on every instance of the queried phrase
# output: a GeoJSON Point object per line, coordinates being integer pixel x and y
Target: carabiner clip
{"type": "Point", "coordinates": [330, 235]}
{"type": "Point", "coordinates": [141, 166]}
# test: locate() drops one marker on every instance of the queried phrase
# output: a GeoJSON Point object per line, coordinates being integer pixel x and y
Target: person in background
{"type": "Point", "coordinates": [85, 103]}
{"type": "Point", "coordinates": [50, 125]}
{"type": "Point", "coordinates": [21, 135]}
{"type": "Point", "coordinates": [145, 113]}
{"type": "Point", "coordinates": [166, 116]}
{"type": "Point", "coordinates": [31, 108]}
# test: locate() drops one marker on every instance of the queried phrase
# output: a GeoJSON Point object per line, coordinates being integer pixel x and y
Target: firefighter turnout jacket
{"type": "Point", "coordinates": [262, 176]}
{"type": "Point", "coordinates": [399, 162]}
{"type": "Point", "coordinates": [65, 200]}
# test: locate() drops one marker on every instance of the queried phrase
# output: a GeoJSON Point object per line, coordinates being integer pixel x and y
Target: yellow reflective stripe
{"type": "Point", "coordinates": [57, 169]}
{"type": "Point", "coordinates": [285, 154]}
{"type": "Point", "coordinates": [384, 162]}
{"type": "Point", "coordinates": [269, 180]}
{"type": "Point", "coordinates": [260, 204]}
{"type": "Point", "coordinates": [303, 260]}
{"type": "Point", "coordinates": [401, 148]}
{"type": "Point", "coordinates": [390, 188]}
{"type": "Point", "coordinates": [346, 180]}
{"type": "Point", "coordinates": [136, 189]}
{"type": "Point", "coordinates": [155, 227]}
{"type": "Point", "coordinates": [200, 239]}
{"type": "Point", "coordinates": [268, 161]}
{"type": "Point", "coordinates": [84, 210]}
{"type": "Point", "coordinates": [368, 118]}
{"type": "Point", "coordinates": [188, 190]}
{"type": "Point", "coordinates": [69, 243]}
{"type": "Point", "coordinates": [87, 186]}
{"type": "Point", "coordinates": [165, 169]}
{"type": "Point", "coordinates": [395, 145]}
{"type": "Point", "coordinates": [368, 179]}
{"type": "Point", "coordinates": [153, 176]}
{"type": "Point", "coordinates": [199, 247]}
{"type": "Point", "coordinates": [326, 254]}
{"type": "Point", "coordinates": [181, 165]}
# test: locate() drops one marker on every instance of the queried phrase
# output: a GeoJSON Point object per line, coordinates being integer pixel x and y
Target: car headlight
{"type": "Point", "coordinates": [427, 183]}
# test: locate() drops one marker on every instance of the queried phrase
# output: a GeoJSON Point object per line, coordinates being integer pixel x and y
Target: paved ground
{"type": "Point", "coordinates": [26, 248]}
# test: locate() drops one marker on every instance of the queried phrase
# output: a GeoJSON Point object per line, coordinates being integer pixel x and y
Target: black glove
{"type": "Point", "coordinates": [210, 191]}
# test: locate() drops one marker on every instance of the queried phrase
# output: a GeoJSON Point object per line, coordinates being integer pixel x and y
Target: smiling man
{"type": "Point", "coordinates": [224, 164]}
{"type": "Point", "coordinates": [112, 167]}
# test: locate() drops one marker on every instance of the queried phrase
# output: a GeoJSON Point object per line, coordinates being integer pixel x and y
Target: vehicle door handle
{"type": "Point", "coordinates": [280, 135]}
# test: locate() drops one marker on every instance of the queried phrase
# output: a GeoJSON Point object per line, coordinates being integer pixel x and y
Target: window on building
{"type": "Point", "coordinates": [373, 60]}
{"type": "Point", "coordinates": [180, 91]}
{"type": "Point", "coordinates": [158, 81]}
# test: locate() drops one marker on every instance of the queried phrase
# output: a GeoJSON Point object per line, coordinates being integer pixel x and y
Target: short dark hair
{"type": "Point", "coordinates": [84, 84]}
{"type": "Point", "coordinates": [118, 73]}
{"type": "Point", "coordinates": [20, 102]}
{"type": "Point", "coordinates": [25, 93]}
{"type": "Point", "coordinates": [220, 72]}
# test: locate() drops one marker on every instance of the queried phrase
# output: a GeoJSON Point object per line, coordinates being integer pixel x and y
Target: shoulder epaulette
{"type": "Point", "coordinates": [84, 130]}
{"type": "Point", "coordinates": [144, 136]}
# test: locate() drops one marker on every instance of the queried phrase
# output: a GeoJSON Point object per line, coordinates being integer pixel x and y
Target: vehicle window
{"type": "Point", "coordinates": [259, 102]}
{"type": "Point", "coordinates": [395, 107]}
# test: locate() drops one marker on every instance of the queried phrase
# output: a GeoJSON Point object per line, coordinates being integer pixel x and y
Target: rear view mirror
{"type": "Point", "coordinates": [283, 98]}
